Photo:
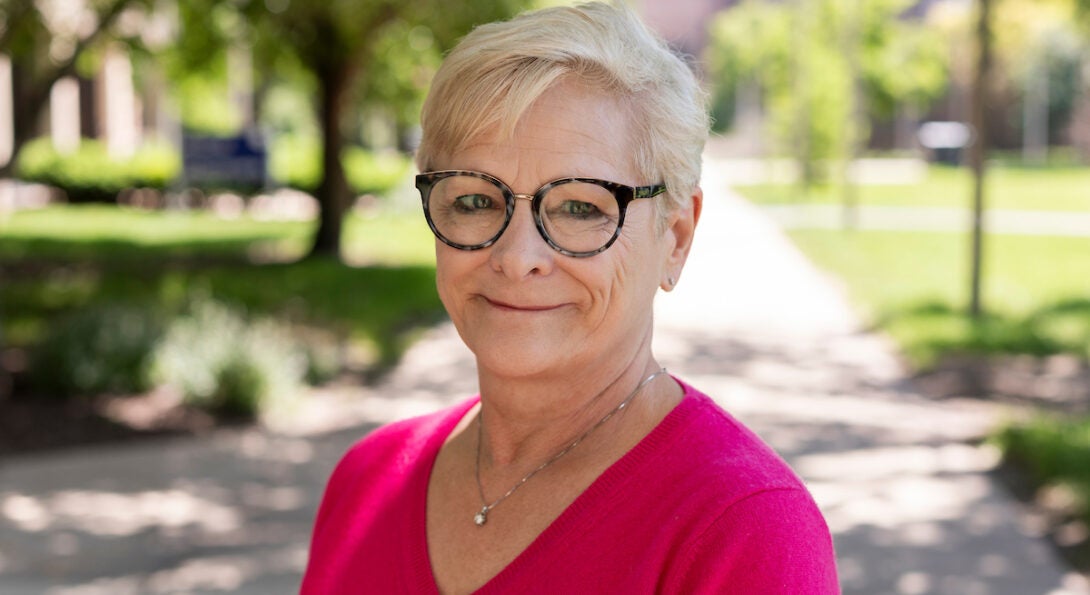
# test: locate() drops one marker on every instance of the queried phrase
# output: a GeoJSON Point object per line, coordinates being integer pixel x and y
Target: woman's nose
{"type": "Point", "coordinates": [521, 251]}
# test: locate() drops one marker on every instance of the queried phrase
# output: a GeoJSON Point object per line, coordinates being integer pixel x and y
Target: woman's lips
{"type": "Point", "coordinates": [517, 307]}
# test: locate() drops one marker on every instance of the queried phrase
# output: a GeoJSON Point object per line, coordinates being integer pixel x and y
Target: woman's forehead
{"type": "Point", "coordinates": [570, 129]}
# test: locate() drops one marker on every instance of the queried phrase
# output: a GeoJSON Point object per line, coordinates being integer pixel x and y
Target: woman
{"type": "Point", "coordinates": [561, 157]}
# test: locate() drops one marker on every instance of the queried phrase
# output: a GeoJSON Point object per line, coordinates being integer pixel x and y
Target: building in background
{"type": "Point", "coordinates": [683, 23]}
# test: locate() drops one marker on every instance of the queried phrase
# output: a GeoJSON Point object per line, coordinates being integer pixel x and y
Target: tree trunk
{"type": "Point", "coordinates": [978, 153]}
{"type": "Point", "coordinates": [855, 123]}
{"type": "Point", "coordinates": [333, 194]}
{"type": "Point", "coordinates": [28, 100]}
{"type": "Point", "coordinates": [801, 103]}
{"type": "Point", "coordinates": [1035, 114]}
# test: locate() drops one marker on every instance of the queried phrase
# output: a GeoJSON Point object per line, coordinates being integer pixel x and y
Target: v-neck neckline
{"type": "Point", "coordinates": [615, 475]}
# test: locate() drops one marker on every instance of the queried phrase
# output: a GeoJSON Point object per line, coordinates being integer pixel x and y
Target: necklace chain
{"type": "Point", "coordinates": [482, 516]}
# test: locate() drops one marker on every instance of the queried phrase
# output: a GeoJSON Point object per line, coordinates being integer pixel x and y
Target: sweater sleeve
{"type": "Point", "coordinates": [772, 542]}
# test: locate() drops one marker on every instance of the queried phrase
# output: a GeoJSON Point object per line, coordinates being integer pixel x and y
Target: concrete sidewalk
{"type": "Point", "coordinates": [913, 505]}
{"type": "Point", "coordinates": [910, 500]}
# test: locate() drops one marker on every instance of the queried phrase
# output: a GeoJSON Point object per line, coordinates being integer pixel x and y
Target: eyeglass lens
{"type": "Point", "coordinates": [577, 216]}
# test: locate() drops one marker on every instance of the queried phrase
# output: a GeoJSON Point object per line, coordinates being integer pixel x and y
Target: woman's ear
{"type": "Point", "coordinates": [679, 238]}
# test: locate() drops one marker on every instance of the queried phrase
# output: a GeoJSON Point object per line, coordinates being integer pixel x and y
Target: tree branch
{"type": "Point", "coordinates": [105, 21]}
{"type": "Point", "coordinates": [19, 9]}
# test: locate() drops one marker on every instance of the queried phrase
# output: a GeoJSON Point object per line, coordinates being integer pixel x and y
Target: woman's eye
{"type": "Point", "coordinates": [577, 208]}
{"type": "Point", "coordinates": [472, 202]}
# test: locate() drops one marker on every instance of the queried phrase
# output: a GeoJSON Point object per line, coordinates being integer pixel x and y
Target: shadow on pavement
{"type": "Point", "coordinates": [908, 489]}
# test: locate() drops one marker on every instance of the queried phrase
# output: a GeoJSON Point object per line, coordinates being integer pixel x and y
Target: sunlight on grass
{"type": "Point", "coordinates": [101, 232]}
{"type": "Point", "coordinates": [91, 222]}
{"type": "Point", "coordinates": [915, 286]}
{"type": "Point", "coordinates": [95, 232]}
{"type": "Point", "coordinates": [388, 237]}
{"type": "Point", "coordinates": [1049, 189]}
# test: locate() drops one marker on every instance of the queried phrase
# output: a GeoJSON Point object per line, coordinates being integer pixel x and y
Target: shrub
{"type": "Point", "coordinates": [217, 359]}
{"type": "Point", "coordinates": [1054, 451]}
{"type": "Point", "coordinates": [223, 363]}
{"type": "Point", "coordinates": [324, 361]}
{"type": "Point", "coordinates": [90, 174]}
{"type": "Point", "coordinates": [106, 349]}
{"type": "Point", "coordinates": [1050, 448]}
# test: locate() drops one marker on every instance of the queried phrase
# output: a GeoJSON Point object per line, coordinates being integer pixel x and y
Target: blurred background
{"type": "Point", "coordinates": [207, 218]}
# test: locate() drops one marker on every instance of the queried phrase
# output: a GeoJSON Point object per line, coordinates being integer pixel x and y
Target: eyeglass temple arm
{"type": "Point", "coordinates": [649, 191]}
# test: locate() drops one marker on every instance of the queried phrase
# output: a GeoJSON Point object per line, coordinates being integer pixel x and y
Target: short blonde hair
{"type": "Point", "coordinates": [499, 70]}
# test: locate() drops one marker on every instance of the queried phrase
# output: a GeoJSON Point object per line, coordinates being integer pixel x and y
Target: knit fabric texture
{"type": "Point", "coordinates": [700, 505]}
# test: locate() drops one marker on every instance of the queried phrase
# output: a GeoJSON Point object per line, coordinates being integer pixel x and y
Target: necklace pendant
{"type": "Point", "coordinates": [481, 517]}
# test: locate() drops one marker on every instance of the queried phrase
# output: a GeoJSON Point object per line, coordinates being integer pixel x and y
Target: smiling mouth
{"type": "Point", "coordinates": [519, 308]}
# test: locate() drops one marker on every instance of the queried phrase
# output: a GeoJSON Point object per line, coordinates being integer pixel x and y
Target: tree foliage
{"type": "Point", "coordinates": [350, 52]}
{"type": "Point", "coordinates": [808, 58]}
{"type": "Point", "coordinates": [1043, 50]}
{"type": "Point", "coordinates": [345, 53]}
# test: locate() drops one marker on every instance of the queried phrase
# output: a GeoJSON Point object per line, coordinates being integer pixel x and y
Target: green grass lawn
{"type": "Point", "coordinates": [62, 259]}
{"type": "Point", "coordinates": [112, 235]}
{"type": "Point", "coordinates": [1052, 189]}
{"type": "Point", "coordinates": [915, 286]}
{"type": "Point", "coordinates": [389, 238]}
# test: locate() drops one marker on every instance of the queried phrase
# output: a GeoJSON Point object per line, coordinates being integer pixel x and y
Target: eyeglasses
{"type": "Point", "coordinates": [578, 217]}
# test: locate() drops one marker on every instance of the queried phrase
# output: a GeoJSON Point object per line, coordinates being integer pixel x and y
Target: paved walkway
{"type": "Point", "coordinates": [911, 501]}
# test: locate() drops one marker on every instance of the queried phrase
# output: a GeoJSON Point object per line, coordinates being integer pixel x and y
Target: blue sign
{"type": "Point", "coordinates": [228, 162]}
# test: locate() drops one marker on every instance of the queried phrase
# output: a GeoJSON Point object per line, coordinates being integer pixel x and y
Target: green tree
{"type": "Point", "coordinates": [1042, 54]}
{"type": "Point", "coordinates": [824, 66]}
{"type": "Point", "coordinates": [1080, 126]}
{"type": "Point", "coordinates": [344, 49]}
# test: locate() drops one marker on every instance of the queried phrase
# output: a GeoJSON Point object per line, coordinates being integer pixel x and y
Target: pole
{"type": "Point", "coordinates": [979, 151]}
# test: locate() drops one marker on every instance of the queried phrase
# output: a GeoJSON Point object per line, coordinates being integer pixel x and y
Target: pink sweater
{"type": "Point", "coordinates": [701, 505]}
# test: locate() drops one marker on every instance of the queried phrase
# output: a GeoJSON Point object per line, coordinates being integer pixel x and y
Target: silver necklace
{"type": "Point", "coordinates": [482, 516]}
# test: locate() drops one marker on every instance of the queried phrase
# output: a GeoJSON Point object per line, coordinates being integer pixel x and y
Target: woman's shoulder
{"type": "Point", "coordinates": [774, 541]}
{"type": "Point", "coordinates": [727, 472]}
{"type": "Point", "coordinates": [403, 442]}
{"type": "Point", "coordinates": [725, 452]}
{"type": "Point", "coordinates": [410, 435]}
{"type": "Point", "coordinates": [744, 504]}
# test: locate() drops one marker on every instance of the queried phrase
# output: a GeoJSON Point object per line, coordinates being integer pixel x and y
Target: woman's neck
{"type": "Point", "coordinates": [527, 421]}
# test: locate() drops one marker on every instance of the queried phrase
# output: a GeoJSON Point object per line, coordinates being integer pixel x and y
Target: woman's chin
{"type": "Point", "coordinates": [521, 361]}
